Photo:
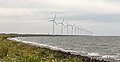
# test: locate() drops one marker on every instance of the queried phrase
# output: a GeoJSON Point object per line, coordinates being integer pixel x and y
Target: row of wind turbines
{"type": "Point", "coordinates": [75, 29]}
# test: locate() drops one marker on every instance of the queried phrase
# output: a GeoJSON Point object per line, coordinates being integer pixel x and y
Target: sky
{"type": "Point", "coordinates": [102, 17]}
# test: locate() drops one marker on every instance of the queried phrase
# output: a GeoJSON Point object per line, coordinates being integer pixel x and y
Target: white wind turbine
{"type": "Point", "coordinates": [78, 30]}
{"type": "Point", "coordinates": [90, 32]}
{"type": "Point", "coordinates": [53, 23]}
{"type": "Point", "coordinates": [71, 28]}
{"type": "Point", "coordinates": [82, 30]}
{"type": "Point", "coordinates": [74, 28]}
{"type": "Point", "coordinates": [87, 31]}
{"type": "Point", "coordinates": [67, 26]}
{"type": "Point", "coordinates": [62, 24]}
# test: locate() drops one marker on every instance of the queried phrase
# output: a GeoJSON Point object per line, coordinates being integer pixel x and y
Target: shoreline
{"type": "Point", "coordinates": [84, 58]}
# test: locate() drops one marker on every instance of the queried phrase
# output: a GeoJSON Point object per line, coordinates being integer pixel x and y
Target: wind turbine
{"type": "Point", "coordinates": [87, 31]}
{"type": "Point", "coordinates": [81, 29]}
{"type": "Point", "coordinates": [71, 28]}
{"type": "Point", "coordinates": [90, 32]}
{"type": "Point", "coordinates": [67, 26]}
{"type": "Point", "coordinates": [74, 28]}
{"type": "Point", "coordinates": [78, 30]}
{"type": "Point", "coordinates": [62, 24]}
{"type": "Point", "coordinates": [53, 23]}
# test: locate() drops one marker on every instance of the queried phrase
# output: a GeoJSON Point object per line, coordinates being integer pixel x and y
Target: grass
{"type": "Point", "coordinates": [12, 51]}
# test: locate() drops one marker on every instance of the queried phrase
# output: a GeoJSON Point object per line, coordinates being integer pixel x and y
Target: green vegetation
{"type": "Point", "coordinates": [12, 51]}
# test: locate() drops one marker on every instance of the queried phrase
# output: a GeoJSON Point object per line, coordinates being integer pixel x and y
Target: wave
{"type": "Point", "coordinates": [94, 54]}
{"type": "Point", "coordinates": [116, 57]}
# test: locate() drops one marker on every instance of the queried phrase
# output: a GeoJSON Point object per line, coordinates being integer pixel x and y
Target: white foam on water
{"type": "Point", "coordinates": [83, 52]}
{"type": "Point", "coordinates": [93, 54]}
{"type": "Point", "coordinates": [116, 57]}
{"type": "Point", "coordinates": [108, 56]}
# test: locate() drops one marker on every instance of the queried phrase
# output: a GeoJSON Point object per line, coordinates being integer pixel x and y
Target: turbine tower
{"type": "Point", "coordinates": [62, 24]}
{"type": "Point", "coordinates": [72, 28]}
{"type": "Point", "coordinates": [78, 30]}
{"type": "Point", "coordinates": [53, 23]}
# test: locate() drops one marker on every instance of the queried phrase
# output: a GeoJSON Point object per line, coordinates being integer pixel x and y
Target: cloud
{"type": "Point", "coordinates": [44, 14]}
{"type": "Point", "coordinates": [99, 18]}
{"type": "Point", "coordinates": [71, 6]}
{"type": "Point", "coordinates": [93, 6]}
{"type": "Point", "coordinates": [23, 13]}
{"type": "Point", "coordinates": [17, 11]}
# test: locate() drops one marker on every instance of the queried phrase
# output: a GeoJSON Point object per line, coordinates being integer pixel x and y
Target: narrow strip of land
{"type": "Point", "coordinates": [12, 51]}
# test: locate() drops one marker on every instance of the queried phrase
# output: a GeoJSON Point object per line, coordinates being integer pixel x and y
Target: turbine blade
{"type": "Point", "coordinates": [66, 26]}
{"type": "Point", "coordinates": [63, 25]}
{"type": "Point", "coordinates": [55, 22]}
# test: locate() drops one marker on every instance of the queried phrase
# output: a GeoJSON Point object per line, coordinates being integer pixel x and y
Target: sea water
{"type": "Point", "coordinates": [102, 47]}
